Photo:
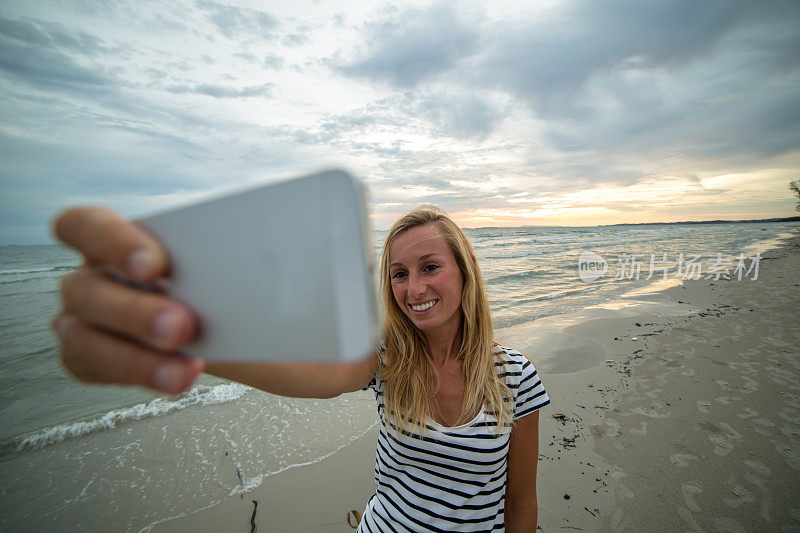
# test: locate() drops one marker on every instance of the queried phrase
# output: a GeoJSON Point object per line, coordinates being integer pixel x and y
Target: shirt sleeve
{"type": "Point", "coordinates": [530, 395]}
{"type": "Point", "coordinates": [375, 382]}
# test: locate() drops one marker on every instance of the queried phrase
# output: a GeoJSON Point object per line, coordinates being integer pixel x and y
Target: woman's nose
{"type": "Point", "coordinates": [415, 284]}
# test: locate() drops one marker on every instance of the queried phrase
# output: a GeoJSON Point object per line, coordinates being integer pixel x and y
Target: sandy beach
{"type": "Point", "coordinates": [694, 425]}
{"type": "Point", "coordinates": [681, 407]}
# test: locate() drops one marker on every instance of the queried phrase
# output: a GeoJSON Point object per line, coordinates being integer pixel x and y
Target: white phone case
{"type": "Point", "coordinates": [280, 272]}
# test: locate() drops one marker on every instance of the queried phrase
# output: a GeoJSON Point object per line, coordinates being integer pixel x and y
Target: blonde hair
{"type": "Point", "coordinates": [407, 388]}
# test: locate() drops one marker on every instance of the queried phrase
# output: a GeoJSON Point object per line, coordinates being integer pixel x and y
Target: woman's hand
{"type": "Point", "coordinates": [111, 332]}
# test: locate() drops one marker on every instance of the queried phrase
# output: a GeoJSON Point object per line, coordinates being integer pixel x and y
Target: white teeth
{"type": "Point", "coordinates": [424, 307]}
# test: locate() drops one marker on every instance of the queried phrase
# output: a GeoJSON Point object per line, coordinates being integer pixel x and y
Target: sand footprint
{"type": "Point", "coordinates": [614, 428]}
{"type": "Point", "coordinates": [724, 400]}
{"type": "Point", "coordinates": [732, 433]}
{"type": "Point", "coordinates": [782, 372]}
{"type": "Point", "coordinates": [790, 431]}
{"type": "Point", "coordinates": [617, 474]}
{"type": "Point", "coordinates": [624, 490]}
{"type": "Point", "coordinates": [755, 480]}
{"type": "Point", "coordinates": [754, 367]}
{"type": "Point", "coordinates": [758, 467]}
{"type": "Point", "coordinates": [742, 496]}
{"type": "Point", "coordinates": [775, 342]}
{"type": "Point", "coordinates": [651, 413]}
{"type": "Point", "coordinates": [749, 385]}
{"type": "Point", "coordinates": [790, 454]}
{"type": "Point", "coordinates": [789, 415]}
{"type": "Point", "coordinates": [723, 384]}
{"type": "Point", "coordinates": [729, 525]}
{"type": "Point", "coordinates": [748, 413]}
{"type": "Point", "coordinates": [722, 446]}
{"type": "Point", "coordinates": [763, 422]}
{"type": "Point", "coordinates": [762, 431]}
{"type": "Point", "coordinates": [689, 490]}
{"type": "Point", "coordinates": [778, 368]}
{"type": "Point", "coordinates": [791, 400]}
{"type": "Point", "coordinates": [684, 513]}
{"type": "Point", "coordinates": [778, 381]}
{"type": "Point", "coordinates": [682, 459]}
{"type": "Point", "coordinates": [702, 406]}
{"type": "Point", "coordinates": [663, 378]}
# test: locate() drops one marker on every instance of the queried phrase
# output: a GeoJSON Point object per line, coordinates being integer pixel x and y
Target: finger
{"type": "Point", "coordinates": [148, 318]}
{"type": "Point", "coordinates": [105, 238]}
{"type": "Point", "coordinates": [98, 357]}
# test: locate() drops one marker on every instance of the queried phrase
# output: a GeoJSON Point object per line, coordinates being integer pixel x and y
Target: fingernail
{"type": "Point", "coordinates": [141, 263]}
{"type": "Point", "coordinates": [168, 378]}
{"type": "Point", "coordinates": [167, 325]}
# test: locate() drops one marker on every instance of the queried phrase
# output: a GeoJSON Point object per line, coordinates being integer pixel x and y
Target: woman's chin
{"type": "Point", "coordinates": [423, 323]}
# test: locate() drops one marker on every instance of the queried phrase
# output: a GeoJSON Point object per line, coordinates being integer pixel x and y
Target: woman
{"type": "Point", "coordinates": [458, 442]}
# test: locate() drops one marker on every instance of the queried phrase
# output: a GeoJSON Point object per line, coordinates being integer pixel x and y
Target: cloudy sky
{"type": "Point", "coordinates": [563, 113]}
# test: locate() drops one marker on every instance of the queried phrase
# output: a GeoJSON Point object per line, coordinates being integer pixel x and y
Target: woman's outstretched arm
{"type": "Point", "coordinates": [300, 380]}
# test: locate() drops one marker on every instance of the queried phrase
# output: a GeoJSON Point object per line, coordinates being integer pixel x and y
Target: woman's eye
{"type": "Point", "coordinates": [398, 275]}
{"type": "Point", "coordinates": [430, 268]}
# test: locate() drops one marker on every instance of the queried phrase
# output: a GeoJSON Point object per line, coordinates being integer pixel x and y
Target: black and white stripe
{"type": "Point", "coordinates": [453, 478]}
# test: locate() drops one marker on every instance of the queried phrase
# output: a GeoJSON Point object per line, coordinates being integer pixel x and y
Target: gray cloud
{"type": "Point", "coordinates": [583, 94]}
{"type": "Point", "coordinates": [438, 183]}
{"type": "Point", "coordinates": [39, 54]}
{"type": "Point", "coordinates": [50, 35]}
{"type": "Point", "coordinates": [233, 22]}
{"type": "Point", "coordinates": [263, 90]}
{"type": "Point", "coordinates": [295, 39]}
{"type": "Point", "coordinates": [704, 82]}
{"type": "Point", "coordinates": [449, 114]}
{"type": "Point", "coordinates": [629, 77]}
{"type": "Point", "coordinates": [409, 47]}
{"type": "Point", "coordinates": [459, 114]}
{"type": "Point", "coordinates": [549, 62]}
{"type": "Point", "coordinates": [273, 62]}
{"type": "Point", "coordinates": [247, 56]}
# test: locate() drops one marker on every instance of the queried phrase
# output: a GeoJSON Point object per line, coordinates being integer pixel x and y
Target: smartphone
{"type": "Point", "coordinates": [284, 271]}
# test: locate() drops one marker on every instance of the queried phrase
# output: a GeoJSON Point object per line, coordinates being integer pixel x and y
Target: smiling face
{"type": "Point", "coordinates": [426, 280]}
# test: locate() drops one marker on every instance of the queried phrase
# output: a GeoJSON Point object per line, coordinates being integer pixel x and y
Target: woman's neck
{"type": "Point", "coordinates": [444, 346]}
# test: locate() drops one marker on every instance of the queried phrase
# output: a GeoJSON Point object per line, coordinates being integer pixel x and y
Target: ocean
{"type": "Point", "coordinates": [94, 456]}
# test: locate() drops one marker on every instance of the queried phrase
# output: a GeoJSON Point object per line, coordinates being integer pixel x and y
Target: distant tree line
{"type": "Point", "coordinates": [794, 186]}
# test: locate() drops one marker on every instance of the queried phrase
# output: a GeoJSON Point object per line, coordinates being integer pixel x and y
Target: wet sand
{"type": "Point", "coordinates": [685, 421]}
{"type": "Point", "coordinates": [308, 498]}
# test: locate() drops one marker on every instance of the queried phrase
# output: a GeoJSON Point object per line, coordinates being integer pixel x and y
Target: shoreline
{"type": "Point", "coordinates": [598, 462]}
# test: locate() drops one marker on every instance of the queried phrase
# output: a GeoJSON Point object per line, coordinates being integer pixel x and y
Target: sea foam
{"type": "Point", "coordinates": [198, 395]}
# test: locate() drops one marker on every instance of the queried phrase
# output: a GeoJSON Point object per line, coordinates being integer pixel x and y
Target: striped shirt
{"type": "Point", "coordinates": [454, 478]}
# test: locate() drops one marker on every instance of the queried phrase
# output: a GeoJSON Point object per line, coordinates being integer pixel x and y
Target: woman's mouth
{"type": "Point", "coordinates": [421, 308]}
